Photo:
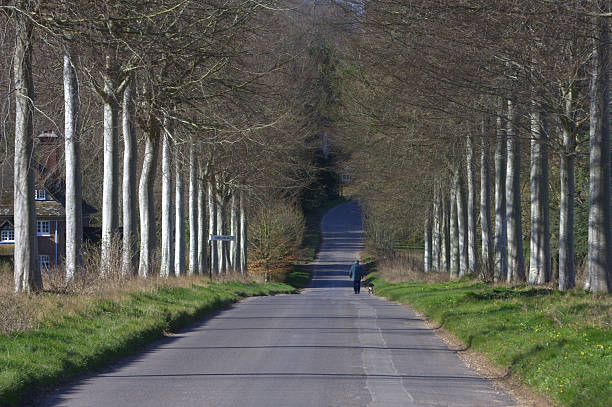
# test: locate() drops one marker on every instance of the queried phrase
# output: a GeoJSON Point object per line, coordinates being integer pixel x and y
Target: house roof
{"type": "Point", "coordinates": [44, 179]}
{"type": "Point", "coordinates": [57, 192]}
{"type": "Point", "coordinates": [43, 208]}
{"type": "Point", "coordinates": [53, 209]}
{"type": "Point", "coordinates": [5, 222]}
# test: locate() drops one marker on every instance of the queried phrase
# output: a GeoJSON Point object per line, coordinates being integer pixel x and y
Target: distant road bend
{"type": "Point", "coordinates": [325, 347]}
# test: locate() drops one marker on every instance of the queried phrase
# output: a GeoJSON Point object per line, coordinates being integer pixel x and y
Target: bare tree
{"type": "Point", "coordinates": [193, 210]}
{"type": "Point", "coordinates": [445, 241]}
{"type": "Point", "coordinates": [436, 239]}
{"type": "Point", "coordinates": [461, 220]}
{"type": "Point", "coordinates": [485, 202]}
{"type": "Point", "coordinates": [567, 272]}
{"type": "Point", "coordinates": [74, 205]}
{"type": "Point", "coordinates": [202, 227]}
{"type": "Point", "coordinates": [221, 257]}
{"type": "Point", "coordinates": [26, 264]}
{"type": "Point", "coordinates": [472, 243]}
{"type": "Point", "coordinates": [243, 234]}
{"type": "Point", "coordinates": [539, 258]}
{"type": "Point", "coordinates": [212, 219]}
{"type": "Point", "coordinates": [148, 240]}
{"type": "Point", "coordinates": [179, 219]}
{"type": "Point", "coordinates": [454, 232]}
{"type": "Point", "coordinates": [113, 87]}
{"type": "Point", "coordinates": [234, 231]}
{"type": "Point", "coordinates": [167, 232]}
{"type": "Point", "coordinates": [500, 270]}
{"type": "Point", "coordinates": [427, 258]}
{"type": "Point", "coordinates": [599, 260]}
{"type": "Point", "coordinates": [128, 262]}
{"type": "Point", "coordinates": [516, 263]}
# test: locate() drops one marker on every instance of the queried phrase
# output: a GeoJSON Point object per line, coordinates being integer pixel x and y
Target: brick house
{"type": "Point", "coordinates": [50, 205]}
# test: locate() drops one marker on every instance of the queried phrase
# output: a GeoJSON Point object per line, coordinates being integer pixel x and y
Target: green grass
{"type": "Point", "coordinates": [559, 344]}
{"type": "Point", "coordinates": [298, 277]}
{"type": "Point", "coordinates": [310, 246]}
{"type": "Point", "coordinates": [107, 330]}
{"type": "Point", "coordinates": [408, 246]}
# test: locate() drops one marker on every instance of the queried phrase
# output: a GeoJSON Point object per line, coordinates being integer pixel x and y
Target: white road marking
{"type": "Point", "coordinates": [377, 360]}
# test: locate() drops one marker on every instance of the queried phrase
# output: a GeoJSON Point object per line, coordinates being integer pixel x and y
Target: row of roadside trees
{"type": "Point", "coordinates": [208, 94]}
{"type": "Point", "coordinates": [431, 89]}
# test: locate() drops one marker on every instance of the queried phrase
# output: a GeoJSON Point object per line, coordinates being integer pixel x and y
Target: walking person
{"type": "Point", "coordinates": [356, 273]}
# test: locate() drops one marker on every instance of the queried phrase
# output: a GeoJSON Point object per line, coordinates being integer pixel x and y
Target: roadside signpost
{"type": "Point", "coordinates": [222, 238]}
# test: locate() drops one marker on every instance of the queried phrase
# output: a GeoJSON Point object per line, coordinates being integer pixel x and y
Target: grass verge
{"type": "Point", "coordinates": [558, 344]}
{"type": "Point", "coordinates": [298, 277]}
{"type": "Point", "coordinates": [106, 330]}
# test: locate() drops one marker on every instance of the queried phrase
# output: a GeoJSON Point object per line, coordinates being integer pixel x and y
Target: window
{"type": "Point", "coordinates": [40, 195]}
{"type": "Point", "coordinates": [43, 228]}
{"type": "Point", "coordinates": [45, 262]}
{"type": "Point", "coordinates": [7, 235]}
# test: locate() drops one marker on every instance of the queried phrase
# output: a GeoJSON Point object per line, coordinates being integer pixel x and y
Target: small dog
{"type": "Point", "coordinates": [370, 289]}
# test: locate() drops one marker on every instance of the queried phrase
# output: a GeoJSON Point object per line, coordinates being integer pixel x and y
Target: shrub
{"type": "Point", "coordinates": [275, 233]}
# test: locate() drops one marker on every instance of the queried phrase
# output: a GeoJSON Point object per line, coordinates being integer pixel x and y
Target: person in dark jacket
{"type": "Point", "coordinates": [356, 273]}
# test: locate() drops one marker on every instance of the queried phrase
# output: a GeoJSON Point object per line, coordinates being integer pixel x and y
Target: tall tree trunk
{"type": "Point", "coordinates": [500, 270]}
{"type": "Point", "coordinates": [485, 203]}
{"type": "Point", "coordinates": [220, 226]}
{"type": "Point", "coordinates": [436, 238]}
{"type": "Point", "coordinates": [234, 232]}
{"type": "Point", "coordinates": [226, 231]}
{"type": "Point", "coordinates": [472, 241]}
{"type": "Point", "coordinates": [74, 206]}
{"type": "Point", "coordinates": [428, 250]}
{"type": "Point", "coordinates": [516, 262]}
{"type": "Point", "coordinates": [193, 210]}
{"type": "Point", "coordinates": [461, 221]}
{"type": "Point", "coordinates": [567, 273]}
{"type": "Point", "coordinates": [444, 240]}
{"type": "Point", "coordinates": [243, 234]}
{"type": "Point", "coordinates": [167, 232]}
{"type": "Point", "coordinates": [130, 231]}
{"type": "Point", "coordinates": [539, 254]}
{"type": "Point", "coordinates": [212, 220]}
{"type": "Point", "coordinates": [599, 259]}
{"type": "Point", "coordinates": [25, 262]}
{"type": "Point", "coordinates": [146, 202]}
{"type": "Point", "coordinates": [202, 227]}
{"type": "Point", "coordinates": [110, 187]}
{"type": "Point", "coordinates": [454, 233]}
{"type": "Point", "coordinates": [179, 217]}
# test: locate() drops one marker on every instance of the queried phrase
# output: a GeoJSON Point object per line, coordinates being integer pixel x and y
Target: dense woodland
{"type": "Point", "coordinates": [483, 124]}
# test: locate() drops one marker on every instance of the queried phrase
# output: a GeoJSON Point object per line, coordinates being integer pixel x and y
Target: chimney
{"type": "Point", "coordinates": [48, 143]}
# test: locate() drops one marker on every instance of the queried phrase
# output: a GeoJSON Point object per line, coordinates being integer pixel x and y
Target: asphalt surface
{"type": "Point", "coordinates": [324, 347]}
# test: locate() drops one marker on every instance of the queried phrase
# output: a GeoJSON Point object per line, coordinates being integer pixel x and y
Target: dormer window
{"type": "Point", "coordinates": [7, 236]}
{"type": "Point", "coordinates": [43, 228]}
{"type": "Point", "coordinates": [41, 195]}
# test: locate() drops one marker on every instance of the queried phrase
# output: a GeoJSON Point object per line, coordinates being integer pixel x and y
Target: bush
{"type": "Point", "coordinates": [275, 234]}
{"type": "Point", "coordinates": [298, 278]}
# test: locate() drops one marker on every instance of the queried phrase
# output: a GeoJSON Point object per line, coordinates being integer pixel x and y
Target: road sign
{"type": "Point", "coordinates": [224, 238]}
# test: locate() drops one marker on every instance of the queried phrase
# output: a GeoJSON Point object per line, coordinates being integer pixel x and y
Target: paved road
{"type": "Point", "coordinates": [325, 347]}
